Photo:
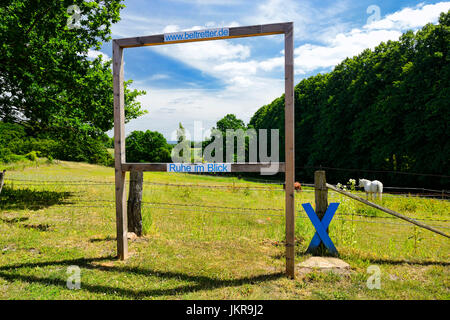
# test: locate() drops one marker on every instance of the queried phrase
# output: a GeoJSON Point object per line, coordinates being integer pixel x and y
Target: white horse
{"type": "Point", "coordinates": [372, 187]}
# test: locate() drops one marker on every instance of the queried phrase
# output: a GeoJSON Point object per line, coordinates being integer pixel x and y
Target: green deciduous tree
{"type": "Point", "coordinates": [47, 79]}
{"type": "Point", "coordinates": [148, 146]}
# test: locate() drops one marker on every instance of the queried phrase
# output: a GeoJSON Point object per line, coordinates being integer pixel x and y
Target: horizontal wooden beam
{"type": "Point", "coordinates": [235, 167]}
{"type": "Point", "coordinates": [234, 32]}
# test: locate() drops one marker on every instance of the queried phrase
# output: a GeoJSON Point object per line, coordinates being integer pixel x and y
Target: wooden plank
{"type": "Point", "coordinates": [152, 40]}
{"type": "Point", "coordinates": [289, 149]}
{"type": "Point", "coordinates": [389, 211]}
{"type": "Point", "coordinates": [258, 30]}
{"type": "Point", "coordinates": [235, 32]}
{"type": "Point", "coordinates": [254, 167]}
{"type": "Point", "coordinates": [162, 167]}
{"type": "Point", "coordinates": [119, 152]}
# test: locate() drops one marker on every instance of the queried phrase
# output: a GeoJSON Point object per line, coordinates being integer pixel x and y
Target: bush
{"type": "Point", "coordinates": [32, 156]}
{"type": "Point", "coordinates": [84, 149]}
{"type": "Point", "coordinates": [148, 146]}
{"type": "Point", "coordinates": [6, 156]}
{"type": "Point", "coordinates": [12, 137]}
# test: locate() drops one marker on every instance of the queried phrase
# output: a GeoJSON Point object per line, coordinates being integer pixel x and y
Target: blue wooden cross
{"type": "Point", "coordinates": [321, 234]}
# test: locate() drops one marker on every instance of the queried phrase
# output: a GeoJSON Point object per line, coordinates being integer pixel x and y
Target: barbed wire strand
{"type": "Point", "coordinates": [93, 182]}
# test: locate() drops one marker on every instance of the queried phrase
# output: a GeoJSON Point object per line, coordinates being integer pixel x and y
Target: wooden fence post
{"type": "Point", "coordinates": [321, 199]}
{"type": "Point", "coordinates": [119, 152]}
{"type": "Point", "coordinates": [289, 114]}
{"type": "Point", "coordinates": [134, 202]}
{"type": "Point", "coordinates": [2, 176]}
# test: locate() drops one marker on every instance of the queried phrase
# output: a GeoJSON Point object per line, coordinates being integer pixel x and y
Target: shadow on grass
{"type": "Point", "coordinates": [19, 199]}
{"type": "Point", "coordinates": [403, 261]}
{"type": "Point", "coordinates": [379, 261]}
{"type": "Point", "coordinates": [199, 283]}
{"type": "Point", "coordinates": [108, 238]}
{"type": "Point", "coordinates": [17, 221]}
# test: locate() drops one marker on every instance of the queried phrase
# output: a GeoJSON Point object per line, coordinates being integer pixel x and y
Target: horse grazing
{"type": "Point", "coordinates": [297, 186]}
{"type": "Point", "coordinates": [372, 187]}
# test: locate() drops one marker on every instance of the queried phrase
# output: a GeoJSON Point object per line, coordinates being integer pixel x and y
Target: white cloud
{"type": "Point", "coordinates": [159, 76]}
{"type": "Point", "coordinates": [220, 59]}
{"type": "Point", "coordinates": [93, 54]}
{"type": "Point", "coordinates": [167, 107]}
{"type": "Point", "coordinates": [308, 19]}
{"type": "Point", "coordinates": [411, 18]}
{"type": "Point", "coordinates": [310, 57]}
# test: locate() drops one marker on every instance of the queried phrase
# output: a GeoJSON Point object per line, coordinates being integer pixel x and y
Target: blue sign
{"type": "Point", "coordinates": [198, 167]}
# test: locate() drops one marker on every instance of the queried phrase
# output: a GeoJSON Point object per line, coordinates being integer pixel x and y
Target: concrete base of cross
{"type": "Point", "coordinates": [324, 264]}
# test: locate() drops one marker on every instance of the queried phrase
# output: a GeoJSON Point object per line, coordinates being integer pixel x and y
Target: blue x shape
{"type": "Point", "coordinates": [321, 234]}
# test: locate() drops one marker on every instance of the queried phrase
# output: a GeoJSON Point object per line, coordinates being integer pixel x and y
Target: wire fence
{"type": "Point", "coordinates": [436, 194]}
{"type": "Point", "coordinates": [375, 171]}
{"type": "Point", "coordinates": [444, 194]}
{"type": "Point", "coordinates": [203, 208]}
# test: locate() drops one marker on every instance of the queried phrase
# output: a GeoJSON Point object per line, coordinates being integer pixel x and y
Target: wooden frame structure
{"type": "Point", "coordinates": [121, 167]}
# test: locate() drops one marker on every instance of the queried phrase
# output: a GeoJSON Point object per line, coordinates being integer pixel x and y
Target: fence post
{"type": "Point", "coordinates": [2, 176]}
{"type": "Point", "coordinates": [134, 202]}
{"type": "Point", "coordinates": [321, 198]}
{"type": "Point", "coordinates": [119, 152]}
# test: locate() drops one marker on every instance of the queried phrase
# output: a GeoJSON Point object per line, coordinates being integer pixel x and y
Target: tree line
{"type": "Point", "coordinates": [385, 109]}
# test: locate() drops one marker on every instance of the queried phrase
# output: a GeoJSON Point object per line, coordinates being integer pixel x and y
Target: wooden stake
{"type": "Point", "coordinates": [289, 149]}
{"type": "Point", "coordinates": [321, 193]}
{"type": "Point", "coordinates": [134, 214]}
{"type": "Point", "coordinates": [2, 177]}
{"type": "Point", "coordinates": [321, 199]}
{"type": "Point", "coordinates": [119, 152]}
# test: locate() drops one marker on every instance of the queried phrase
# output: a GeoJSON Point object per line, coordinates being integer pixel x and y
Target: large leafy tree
{"type": "Point", "coordinates": [47, 79]}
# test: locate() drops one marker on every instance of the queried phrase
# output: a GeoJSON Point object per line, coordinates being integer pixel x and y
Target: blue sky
{"type": "Point", "coordinates": [204, 81]}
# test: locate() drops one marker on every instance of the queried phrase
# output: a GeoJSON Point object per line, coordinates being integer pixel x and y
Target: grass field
{"type": "Point", "coordinates": [203, 242]}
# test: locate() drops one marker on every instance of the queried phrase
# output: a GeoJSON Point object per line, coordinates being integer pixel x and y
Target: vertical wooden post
{"type": "Point", "coordinates": [134, 214]}
{"type": "Point", "coordinates": [289, 149]}
{"type": "Point", "coordinates": [321, 198]}
{"type": "Point", "coordinates": [2, 177]}
{"type": "Point", "coordinates": [321, 193]}
{"type": "Point", "coordinates": [119, 152]}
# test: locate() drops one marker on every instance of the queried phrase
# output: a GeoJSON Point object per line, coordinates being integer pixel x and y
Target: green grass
{"type": "Point", "coordinates": [201, 248]}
